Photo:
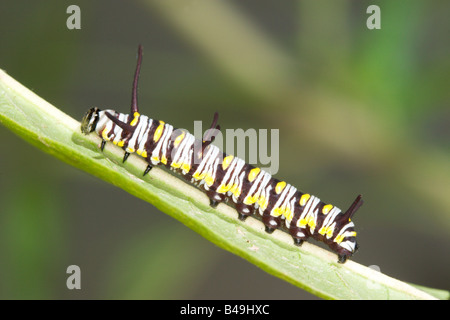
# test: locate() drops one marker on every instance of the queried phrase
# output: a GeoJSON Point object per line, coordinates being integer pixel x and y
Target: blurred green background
{"type": "Point", "coordinates": [359, 111]}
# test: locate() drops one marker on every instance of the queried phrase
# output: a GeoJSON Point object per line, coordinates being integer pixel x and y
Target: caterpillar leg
{"type": "Point", "coordinates": [214, 198]}
{"type": "Point", "coordinates": [125, 156]}
{"type": "Point", "coordinates": [244, 211]}
{"type": "Point", "coordinates": [147, 170]}
{"type": "Point", "coordinates": [269, 229]}
{"type": "Point", "coordinates": [342, 258]}
{"type": "Point", "coordinates": [297, 233]}
{"type": "Point", "coordinates": [242, 217]}
{"type": "Point", "coordinates": [213, 203]}
{"type": "Point", "coordinates": [271, 222]}
{"type": "Point", "coordinates": [103, 145]}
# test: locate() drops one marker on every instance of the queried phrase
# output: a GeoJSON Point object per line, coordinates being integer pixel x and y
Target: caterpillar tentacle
{"type": "Point", "coordinates": [134, 95]}
{"type": "Point", "coordinates": [225, 178]}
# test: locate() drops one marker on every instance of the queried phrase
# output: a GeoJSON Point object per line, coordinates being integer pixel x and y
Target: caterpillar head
{"type": "Point", "coordinates": [344, 241]}
{"type": "Point", "coordinates": [90, 119]}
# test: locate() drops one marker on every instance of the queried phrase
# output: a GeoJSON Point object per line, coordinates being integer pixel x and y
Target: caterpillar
{"type": "Point", "coordinates": [224, 177]}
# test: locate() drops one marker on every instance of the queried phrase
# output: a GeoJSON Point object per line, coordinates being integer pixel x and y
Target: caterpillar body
{"type": "Point", "coordinates": [224, 177]}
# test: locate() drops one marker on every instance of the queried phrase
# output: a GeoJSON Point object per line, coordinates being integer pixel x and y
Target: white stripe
{"type": "Point", "coordinates": [104, 122]}
{"type": "Point", "coordinates": [253, 192]}
{"type": "Point", "coordinates": [134, 138]}
{"type": "Point", "coordinates": [312, 202]}
{"type": "Point", "coordinates": [204, 162]}
{"type": "Point", "coordinates": [344, 229]}
{"type": "Point", "coordinates": [291, 208]}
{"type": "Point", "coordinates": [212, 162]}
{"type": "Point", "coordinates": [229, 172]}
{"type": "Point", "coordinates": [156, 151]}
{"type": "Point", "coordinates": [180, 149]}
{"type": "Point", "coordinates": [239, 182]}
{"type": "Point", "coordinates": [282, 199]}
{"type": "Point", "coordinates": [165, 143]}
{"type": "Point", "coordinates": [349, 245]}
{"type": "Point", "coordinates": [144, 138]}
{"type": "Point", "coordinates": [331, 216]}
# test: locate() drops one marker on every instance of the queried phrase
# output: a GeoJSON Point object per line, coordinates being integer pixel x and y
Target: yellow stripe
{"type": "Point", "coordinates": [105, 135]}
{"type": "Point", "coordinates": [135, 119]}
{"type": "Point", "coordinates": [196, 174]}
{"type": "Point", "coordinates": [304, 199]}
{"type": "Point", "coordinates": [253, 174]}
{"type": "Point", "coordinates": [226, 162]}
{"type": "Point", "coordinates": [264, 204]}
{"type": "Point", "coordinates": [330, 233]}
{"type": "Point", "coordinates": [327, 208]}
{"type": "Point", "coordinates": [175, 165]}
{"type": "Point", "coordinates": [339, 239]}
{"type": "Point", "coordinates": [209, 180]}
{"type": "Point", "coordinates": [276, 212]}
{"type": "Point", "coordinates": [199, 176]}
{"type": "Point", "coordinates": [288, 214]}
{"type": "Point", "coordinates": [179, 139]}
{"type": "Point", "coordinates": [311, 223]}
{"type": "Point", "coordinates": [186, 167]}
{"type": "Point", "coordinates": [158, 131]}
{"type": "Point", "coordinates": [280, 186]}
{"type": "Point", "coordinates": [236, 190]}
{"type": "Point", "coordinates": [261, 200]}
{"type": "Point", "coordinates": [302, 223]}
{"type": "Point", "coordinates": [224, 188]}
{"type": "Point", "coordinates": [250, 199]}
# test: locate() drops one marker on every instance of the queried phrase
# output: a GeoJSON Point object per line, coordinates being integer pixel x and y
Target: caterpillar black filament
{"type": "Point", "coordinates": [225, 177]}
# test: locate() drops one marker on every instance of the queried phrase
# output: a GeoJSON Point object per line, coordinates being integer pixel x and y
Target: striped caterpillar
{"type": "Point", "coordinates": [224, 177]}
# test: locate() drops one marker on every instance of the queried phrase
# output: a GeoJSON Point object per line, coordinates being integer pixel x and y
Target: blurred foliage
{"type": "Point", "coordinates": [359, 111]}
